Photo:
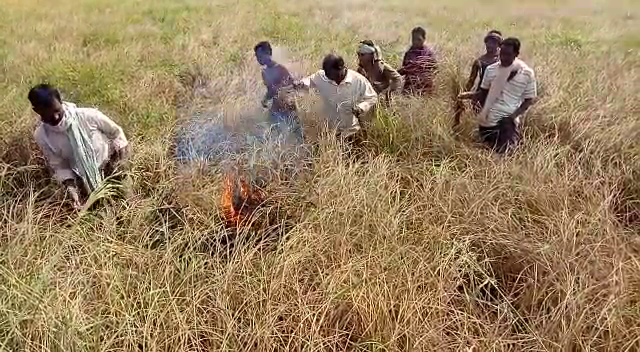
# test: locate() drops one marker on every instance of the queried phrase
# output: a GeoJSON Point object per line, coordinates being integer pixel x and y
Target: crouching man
{"type": "Point", "coordinates": [82, 146]}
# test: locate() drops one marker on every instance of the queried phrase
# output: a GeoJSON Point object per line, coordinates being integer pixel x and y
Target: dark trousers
{"type": "Point", "coordinates": [353, 145]}
{"type": "Point", "coordinates": [502, 137]}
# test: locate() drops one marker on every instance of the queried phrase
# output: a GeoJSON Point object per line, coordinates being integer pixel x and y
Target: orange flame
{"type": "Point", "coordinates": [239, 201]}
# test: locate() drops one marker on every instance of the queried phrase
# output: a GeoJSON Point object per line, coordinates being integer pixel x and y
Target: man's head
{"type": "Point", "coordinates": [46, 102]}
{"type": "Point", "coordinates": [492, 41]}
{"type": "Point", "coordinates": [418, 37]}
{"type": "Point", "coordinates": [367, 53]}
{"type": "Point", "coordinates": [334, 67]}
{"type": "Point", "coordinates": [509, 51]}
{"type": "Point", "coordinates": [263, 52]}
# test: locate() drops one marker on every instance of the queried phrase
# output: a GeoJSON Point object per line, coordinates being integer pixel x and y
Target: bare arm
{"type": "Point", "coordinates": [269, 94]}
{"type": "Point", "coordinates": [368, 96]}
{"type": "Point", "coordinates": [394, 78]}
{"type": "Point", "coordinates": [112, 131]}
{"type": "Point", "coordinates": [477, 95]}
{"type": "Point", "coordinates": [526, 104]}
{"type": "Point", "coordinates": [481, 93]}
{"type": "Point", "coordinates": [475, 67]}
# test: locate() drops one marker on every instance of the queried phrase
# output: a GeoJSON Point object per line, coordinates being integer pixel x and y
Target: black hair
{"type": "Point", "coordinates": [43, 96]}
{"type": "Point", "coordinates": [264, 47]}
{"type": "Point", "coordinates": [513, 43]}
{"type": "Point", "coordinates": [368, 42]}
{"type": "Point", "coordinates": [332, 62]}
{"type": "Point", "coordinates": [419, 30]}
{"type": "Point", "coordinates": [495, 35]}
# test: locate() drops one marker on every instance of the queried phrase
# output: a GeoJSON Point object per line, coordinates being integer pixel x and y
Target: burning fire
{"type": "Point", "coordinates": [239, 201]}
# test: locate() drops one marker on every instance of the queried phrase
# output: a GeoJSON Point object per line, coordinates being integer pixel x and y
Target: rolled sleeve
{"type": "Point", "coordinates": [394, 78]}
{"type": "Point", "coordinates": [109, 128]}
{"type": "Point", "coordinates": [63, 174]}
{"type": "Point", "coordinates": [310, 81]}
{"type": "Point", "coordinates": [368, 96]}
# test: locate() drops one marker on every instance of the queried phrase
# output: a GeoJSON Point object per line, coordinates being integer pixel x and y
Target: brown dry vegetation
{"type": "Point", "coordinates": [430, 244]}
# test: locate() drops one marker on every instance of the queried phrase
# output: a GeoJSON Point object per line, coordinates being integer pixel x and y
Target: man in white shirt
{"type": "Point", "coordinates": [348, 97]}
{"type": "Point", "coordinates": [510, 89]}
{"type": "Point", "coordinates": [82, 146]}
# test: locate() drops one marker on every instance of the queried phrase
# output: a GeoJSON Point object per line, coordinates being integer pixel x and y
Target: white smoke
{"type": "Point", "coordinates": [238, 132]}
{"type": "Point", "coordinates": [282, 56]}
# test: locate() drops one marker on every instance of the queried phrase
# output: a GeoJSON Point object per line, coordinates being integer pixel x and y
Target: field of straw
{"type": "Point", "coordinates": [430, 243]}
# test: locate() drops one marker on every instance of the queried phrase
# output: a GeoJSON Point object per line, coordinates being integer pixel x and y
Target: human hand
{"type": "Point", "coordinates": [465, 95]}
{"type": "Point", "coordinates": [297, 84]}
{"type": "Point", "coordinates": [512, 120]}
{"type": "Point", "coordinates": [72, 191]}
{"type": "Point", "coordinates": [118, 155]}
{"type": "Point", "coordinates": [482, 121]}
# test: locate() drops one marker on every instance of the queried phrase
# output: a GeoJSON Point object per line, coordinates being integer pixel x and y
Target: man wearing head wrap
{"type": "Point", "coordinates": [492, 42]}
{"type": "Point", "coordinates": [384, 79]}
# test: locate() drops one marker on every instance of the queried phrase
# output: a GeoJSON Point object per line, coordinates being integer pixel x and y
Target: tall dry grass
{"type": "Point", "coordinates": [430, 243]}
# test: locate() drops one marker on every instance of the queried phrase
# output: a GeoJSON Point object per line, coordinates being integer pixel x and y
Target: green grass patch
{"type": "Point", "coordinates": [566, 39]}
{"type": "Point", "coordinates": [630, 41]}
{"type": "Point", "coordinates": [388, 131]}
{"type": "Point", "coordinates": [285, 29]}
{"type": "Point", "coordinates": [102, 38]}
{"type": "Point", "coordinates": [87, 81]}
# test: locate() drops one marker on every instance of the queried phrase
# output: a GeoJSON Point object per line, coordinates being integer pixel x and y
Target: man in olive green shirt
{"type": "Point", "coordinates": [384, 78]}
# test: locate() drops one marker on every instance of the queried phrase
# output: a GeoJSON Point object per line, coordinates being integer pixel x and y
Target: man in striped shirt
{"type": "Point", "coordinates": [510, 89]}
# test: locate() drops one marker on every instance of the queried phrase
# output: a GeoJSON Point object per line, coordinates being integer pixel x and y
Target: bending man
{"type": "Point", "coordinates": [81, 145]}
{"type": "Point", "coordinates": [347, 95]}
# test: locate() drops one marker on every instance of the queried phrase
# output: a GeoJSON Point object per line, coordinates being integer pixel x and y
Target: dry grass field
{"type": "Point", "coordinates": [429, 244]}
